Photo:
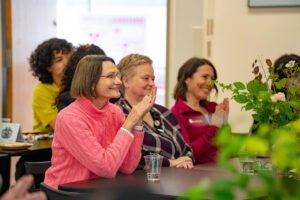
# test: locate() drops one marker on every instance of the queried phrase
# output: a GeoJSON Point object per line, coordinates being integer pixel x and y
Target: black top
{"type": "Point", "coordinates": [64, 100]}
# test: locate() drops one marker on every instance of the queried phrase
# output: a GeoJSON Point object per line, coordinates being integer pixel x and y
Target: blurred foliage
{"type": "Point", "coordinates": [275, 135]}
{"type": "Point", "coordinates": [281, 145]}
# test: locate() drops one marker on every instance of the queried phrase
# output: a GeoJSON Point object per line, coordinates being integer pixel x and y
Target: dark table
{"type": "Point", "coordinates": [174, 181]}
{"type": "Point", "coordinates": [39, 147]}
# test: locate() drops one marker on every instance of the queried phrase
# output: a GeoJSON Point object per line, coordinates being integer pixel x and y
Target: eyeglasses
{"type": "Point", "coordinates": [113, 76]}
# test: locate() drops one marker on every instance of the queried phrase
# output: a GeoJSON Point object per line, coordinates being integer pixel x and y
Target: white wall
{"type": "Point", "coordinates": [185, 22]}
{"type": "Point", "coordinates": [33, 21]}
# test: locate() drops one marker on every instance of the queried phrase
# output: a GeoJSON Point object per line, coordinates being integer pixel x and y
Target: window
{"type": "Point", "coordinates": [119, 27]}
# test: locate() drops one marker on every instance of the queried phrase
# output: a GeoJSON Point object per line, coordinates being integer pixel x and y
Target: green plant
{"type": "Point", "coordinates": [275, 133]}
{"type": "Point", "coordinates": [261, 95]}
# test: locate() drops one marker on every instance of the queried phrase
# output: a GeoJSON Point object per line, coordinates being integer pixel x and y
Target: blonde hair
{"type": "Point", "coordinates": [127, 65]}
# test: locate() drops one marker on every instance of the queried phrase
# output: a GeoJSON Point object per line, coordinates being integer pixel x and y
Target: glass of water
{"type": "Point", "coordinates": [153, 165]}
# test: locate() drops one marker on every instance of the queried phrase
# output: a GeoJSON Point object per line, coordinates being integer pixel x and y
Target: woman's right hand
{"type": "Point", "coordinates": [220, 116]}
{"type": "Point", "coordinates": [139, 110]}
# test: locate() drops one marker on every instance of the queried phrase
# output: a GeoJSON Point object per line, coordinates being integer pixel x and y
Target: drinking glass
{"type": "Point", "coordinates": [153, 167]}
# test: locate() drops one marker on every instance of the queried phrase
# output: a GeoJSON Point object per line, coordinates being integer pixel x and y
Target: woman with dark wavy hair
{"type": "Point", "coordinates": [198, 117]}
{"type": "Point", "coordinates": [64, 98]}
{"type": "Point", "coordinates": [47, 63]}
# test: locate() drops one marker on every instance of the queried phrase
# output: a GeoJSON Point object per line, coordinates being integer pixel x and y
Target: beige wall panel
{"type": "Point", "coordinates": [185, 19]}
{"type": "Point", "coordinates": [32, 23]}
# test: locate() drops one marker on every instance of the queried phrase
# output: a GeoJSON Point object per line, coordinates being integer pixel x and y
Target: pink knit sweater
{"type": "Point", "coordinates": [89, 143]}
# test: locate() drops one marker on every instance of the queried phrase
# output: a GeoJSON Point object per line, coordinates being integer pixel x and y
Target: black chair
{"type": "Point", "coordinates": [37, 169]}
{"type": "Point", "coordinates": [53, 194]}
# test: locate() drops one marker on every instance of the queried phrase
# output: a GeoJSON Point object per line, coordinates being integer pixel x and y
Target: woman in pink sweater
{"type": "Point", "coordinates": [92, 137]}
{"type": "Point", "coordinates": [199, 118]}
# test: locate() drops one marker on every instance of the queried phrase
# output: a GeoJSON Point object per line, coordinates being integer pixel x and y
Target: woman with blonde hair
{"type": "Point", "coordinates": [162, 131]}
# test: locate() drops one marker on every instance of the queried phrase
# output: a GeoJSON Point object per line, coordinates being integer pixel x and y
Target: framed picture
{"type": "Point", "coordinates": [273, 3]}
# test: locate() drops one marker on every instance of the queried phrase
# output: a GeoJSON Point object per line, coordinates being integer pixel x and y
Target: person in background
{"type": "Point", "coordinates": [64, 98]}
{"type": "Point", "coordinates": [92, 137]}
{"type": "Point", "coordinates": [47, 63]}
{"type": "Point", "coordinates": [199, 118]}
{"type": "Point", "coordinates": [20, 191]}
{"type": "Point", "coordinates": [283, 62]}
{"type": "Point", "coordinates": [162, 131]}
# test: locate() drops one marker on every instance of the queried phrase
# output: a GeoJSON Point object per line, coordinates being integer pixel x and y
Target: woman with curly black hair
{"type": "Point", "coordinates": [64, 98]}
{"type": "Point", "coordinates": [47, 63]}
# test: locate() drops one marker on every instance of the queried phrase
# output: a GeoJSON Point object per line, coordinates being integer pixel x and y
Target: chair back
{"type": "Point", "coordinates": [37, 169]}
{"type": "Point", "coordinates": [54, 194]}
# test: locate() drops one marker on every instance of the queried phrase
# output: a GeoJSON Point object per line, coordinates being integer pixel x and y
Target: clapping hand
{"type": "Point", "coordinates": [146, 104]}
{"type": "Point", "coordinates": [220, 116]}
{"type": "Point", "coordinates": [139, 110]}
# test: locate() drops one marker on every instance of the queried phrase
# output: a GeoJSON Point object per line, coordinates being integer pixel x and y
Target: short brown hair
{"type": "Point", "coordinates": [129, 63]}
{"type": "Point", "coordinates": [86, 76]}
{"type": "Point", "coordinates": [186, 71]}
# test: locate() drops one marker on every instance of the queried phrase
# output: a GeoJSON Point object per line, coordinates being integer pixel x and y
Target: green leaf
{"type": "Point", "coordinates": [243, 180]}
{"type": "Point", "coordinates": [265, 95]}
{"type": "Point", "coordinates": [256, 145]}
{"type": "Point", "coordinates": [249, 106]}
{"type": "Point", "coordinates": [198, 191]}
{"type": "Point", "coordinates": [222, 189]}
{"type": "Point", "coordinates": [240, 98]}
{"type": "Point", "coordinates": [255, 86]}
{"type": "Point", "coordinates": [252, 85]}
{"type": "Point", "coordinates": [293, 89]}
{"type": "Point", "coordinates": [239, 85]}
{"type": "Point", "coordinates": [267, 177]}
{"type": "Point", "coordinates": [256, 117]}
{"type": "Point", "coordinates": [294, 104]}
{"type": "Point", "coordinates": [264, 130]}
{"type": "Point", "coordinates": [223, 133]}
{"type": "Point", "coordinates": [281, 83]}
